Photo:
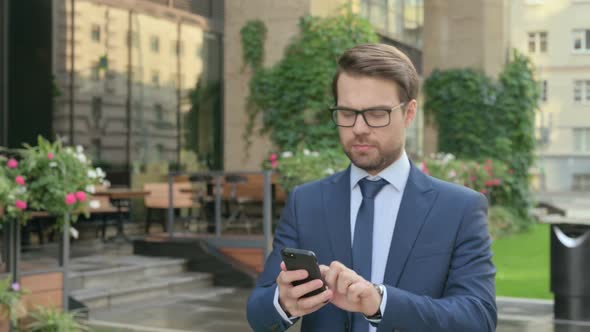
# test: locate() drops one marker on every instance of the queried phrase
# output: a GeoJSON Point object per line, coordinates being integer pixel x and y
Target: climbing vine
{"type": "Point", "coordinates": [293, 96]}
{"type": "Point", "coordinates": [253, 37]}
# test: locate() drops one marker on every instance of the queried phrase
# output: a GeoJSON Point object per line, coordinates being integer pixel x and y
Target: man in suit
{"type": "Point", "coordinates": [399, 250]}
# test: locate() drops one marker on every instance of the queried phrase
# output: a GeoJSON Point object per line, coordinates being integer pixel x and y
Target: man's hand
{"type": "Point", "coordinates": [351, 292]}
{"type": "Point", "coordinates": [290, 297]}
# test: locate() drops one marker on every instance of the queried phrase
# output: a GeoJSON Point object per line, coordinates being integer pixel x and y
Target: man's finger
{"type": "Point", "coordinates": [283, 266]}
{"type": "Point", "coordinates": [355, 290]}
{"type": "Point", "coordinates": [332, 274]}
{"type": "Point", "coordinates": [345, 279]}
{"type": "Point", "coordinates": [313, 301]}
{"type": "Point", "coordinates": [287, 277]}
{"type": "Point", "coordinates": [324, 269]}
{"type": "Point", "coordinates": [300, 290]}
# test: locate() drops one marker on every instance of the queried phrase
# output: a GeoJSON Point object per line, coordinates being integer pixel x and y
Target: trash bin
{"type": "Point", "coordinates": [570, 270]}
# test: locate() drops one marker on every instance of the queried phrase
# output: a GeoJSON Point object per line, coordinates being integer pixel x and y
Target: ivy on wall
{"type": "Point", "coordinates": [253, 37]}
{"type": "Point", "coordinates": [293, 96]}
{"type": "Point", "coordinates": [480, 118]}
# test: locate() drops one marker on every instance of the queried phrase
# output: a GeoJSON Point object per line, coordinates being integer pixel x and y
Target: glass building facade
{"type": "Point", "coordinates": [135, 83]}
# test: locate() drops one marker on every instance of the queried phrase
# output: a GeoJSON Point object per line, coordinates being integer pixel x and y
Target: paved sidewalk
{"type": "Point", "coordinates": [223, 309]}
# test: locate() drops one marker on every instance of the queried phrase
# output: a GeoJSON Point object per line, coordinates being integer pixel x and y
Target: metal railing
{"type": "Point", "coordinates": [267, 214]}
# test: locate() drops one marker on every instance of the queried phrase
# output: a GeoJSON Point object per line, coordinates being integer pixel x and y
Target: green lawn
{"type": "Point", "coordinates": [522, 261]}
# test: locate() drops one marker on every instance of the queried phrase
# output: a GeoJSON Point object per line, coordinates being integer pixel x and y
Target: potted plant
{"type": "Point", "coordinates": [48, 177]}
{"type": "Point", "coordinates": [12, 307]}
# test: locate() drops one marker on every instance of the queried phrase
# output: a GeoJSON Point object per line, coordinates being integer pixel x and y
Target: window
{"type": "Point", "coordinates": [543, 42]}
{"type": "Point", "coordinates": [155, 78]}
{"type": "Point", "coordinates": [96, 111]}
{"type": "Point", "coordinates": [582, 139]}
{"type": "Point", "coordinates": [532, 42]}
{"type": "Point", "coordinates": [581, 182]}
{"type": "Point", "coordinates": [95, 72]}
{"type": "Point", "coordinates": [177, 47]}
{"type": "Point", "coordinates": [537, 42]}
{"type": "Point", "coordinates": [95, 33]}
{"type": "Point", "coordinates": [159, 151]}
{"type": "Point", "coordinates": [581, 40]}
{"type": "Point", "coordinates": [159, 112]}
{"type": "Point", "coordinates": [582, 91]}
{"type": "Point", "coordinates": [155, 44]}
{"type": "Point", "coordinates": [543, 90]}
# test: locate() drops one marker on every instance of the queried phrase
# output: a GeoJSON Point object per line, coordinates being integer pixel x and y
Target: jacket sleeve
{"type": "Point", "coordinates": [261, 313]}
{"type": "Point", "coordinates": [468, 302]}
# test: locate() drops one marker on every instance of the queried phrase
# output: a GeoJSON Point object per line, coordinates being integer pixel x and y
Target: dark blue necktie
{"type": "Point", "coordinates": [362, 247]}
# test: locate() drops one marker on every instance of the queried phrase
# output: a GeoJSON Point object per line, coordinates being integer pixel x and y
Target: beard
{"type": "Point", "coordinates": [376, 163]}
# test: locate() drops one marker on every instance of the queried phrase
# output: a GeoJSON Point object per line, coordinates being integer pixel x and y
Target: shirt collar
{"type": "Point", "coordinates": [396, 174]}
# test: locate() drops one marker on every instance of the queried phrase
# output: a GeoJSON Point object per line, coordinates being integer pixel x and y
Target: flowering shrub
{"type": "Point", "coordinates": [304, 165]}
{"type": "Point", "coordinates": [47, 177]}
{"type": "Point", "coordinates": [488, 178]}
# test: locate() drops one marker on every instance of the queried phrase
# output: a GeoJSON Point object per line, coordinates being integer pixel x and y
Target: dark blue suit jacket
{"type": "Point", "coordinates": [439, 274]}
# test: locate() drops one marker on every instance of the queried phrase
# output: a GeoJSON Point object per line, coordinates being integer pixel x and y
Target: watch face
{"type": "Point", "coordinates": [379, 289]}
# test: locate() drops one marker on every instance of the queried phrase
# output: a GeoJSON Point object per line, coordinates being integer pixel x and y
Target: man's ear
{"type": "Point", "coordinates": [411, 110]}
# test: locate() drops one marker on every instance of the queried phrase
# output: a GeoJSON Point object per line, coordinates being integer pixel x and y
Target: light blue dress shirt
{"type": "Point", "coordinates": [387, 205]}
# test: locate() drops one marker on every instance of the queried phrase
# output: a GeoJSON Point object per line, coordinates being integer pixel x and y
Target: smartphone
{"type": "Point", "coordinates": [299, 259]}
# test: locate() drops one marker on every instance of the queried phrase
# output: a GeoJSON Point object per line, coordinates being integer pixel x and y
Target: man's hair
{"type": "Point", "coordinates": [380, 61]}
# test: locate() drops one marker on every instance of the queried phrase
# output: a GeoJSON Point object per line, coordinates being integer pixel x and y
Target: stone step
{"type": "Point", "coordinates": [141, 289]}
{"type": "Point", "coordinates": [98, 272]}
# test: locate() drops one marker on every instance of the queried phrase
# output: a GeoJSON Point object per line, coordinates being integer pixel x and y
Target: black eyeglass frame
{"type": "Point", "coordinates": [334, 110]}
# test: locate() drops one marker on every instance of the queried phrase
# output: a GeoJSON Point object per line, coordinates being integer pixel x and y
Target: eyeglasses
{"type": "Point", "coordinates": [374, 117]}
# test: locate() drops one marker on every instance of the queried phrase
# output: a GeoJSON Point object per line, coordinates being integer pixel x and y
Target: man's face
{"type": "Point", "coordinates": [373, 149]}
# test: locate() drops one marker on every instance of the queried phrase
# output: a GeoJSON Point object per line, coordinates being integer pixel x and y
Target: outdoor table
{"type": "Point", "coordinates": [118, 197]}
{"type": "Point", "coordinates": [570, 271]}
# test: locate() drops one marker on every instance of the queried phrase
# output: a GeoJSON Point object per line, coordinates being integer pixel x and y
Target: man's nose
{"type": "Point", "coordinates": [360, 125]}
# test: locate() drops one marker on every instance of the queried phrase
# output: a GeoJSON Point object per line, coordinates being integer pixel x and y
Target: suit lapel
{"type": "Point", "coordinates": [416, 202]}
{"type": "Point", "coordinates": [336, 194]}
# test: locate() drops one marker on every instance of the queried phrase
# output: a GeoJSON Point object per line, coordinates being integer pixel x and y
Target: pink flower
{"type": "Point", "coordinates": [274, 164]}
{"type": "Point", "coordinates": [50, 156]}
{"type": "Point", "coordinates": [425, 168]}
{"type": "Point", "coordinates": [489, 183]}
{"type": "Point", "coordinates": [12, 163]}
{"type": "Point", "coordinates": [483, 191]}
{"type": "Point", "coordinates": [21, 205]}
{"type": "Point", "coordinates": [81, 196]}
{"type": "Point", "coordinates": [21, 180]}
{"type": "Point", "coordinates": [274, 157]}
{"type": "Point", "coordinates": [496, 182]}
{"type": "Point", "coordinates": [16, 287]}
{"type": "Point", "coordinates": [474, 178]}
{"type": "Point", "coordinates": [71, 199]}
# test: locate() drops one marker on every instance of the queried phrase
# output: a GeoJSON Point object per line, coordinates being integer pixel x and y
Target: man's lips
{"type": "Point", "coordinates": [362, 147]}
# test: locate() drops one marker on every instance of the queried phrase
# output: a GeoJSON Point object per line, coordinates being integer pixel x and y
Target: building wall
{"type": "Point", "coordinates": [559, 65]}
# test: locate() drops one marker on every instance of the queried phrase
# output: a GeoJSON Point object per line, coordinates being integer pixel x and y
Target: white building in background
{"type": "Point", "coordinates": [556, 35]}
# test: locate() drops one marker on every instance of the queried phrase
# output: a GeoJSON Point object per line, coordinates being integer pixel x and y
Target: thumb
{"type": "Point", "coordinates": [283, 266]}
